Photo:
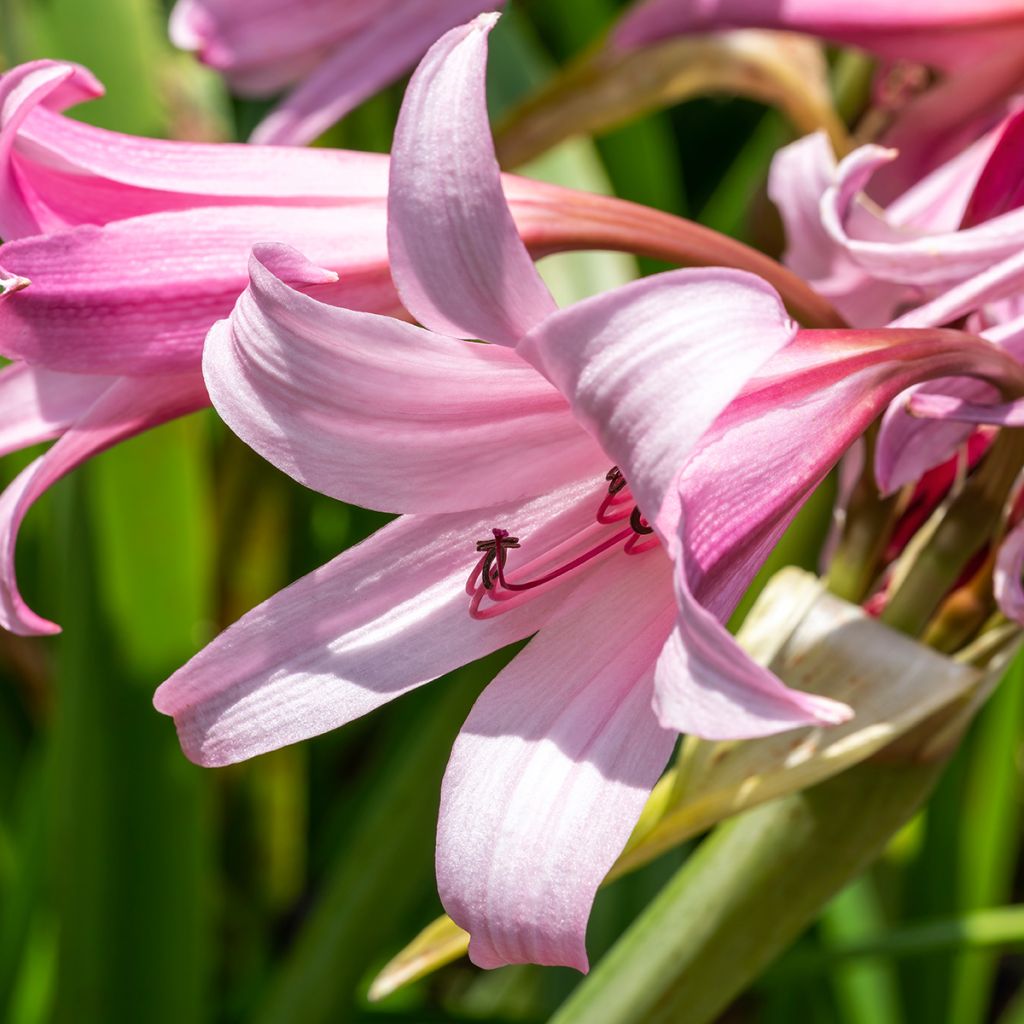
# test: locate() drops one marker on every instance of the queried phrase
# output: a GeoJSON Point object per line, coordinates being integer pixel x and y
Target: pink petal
{"type": "Point", "coordinates": [57, 172]}
{"type": "Point", "coordinates": [22, 90]}
{"type": "Point", "coordinates": [126, 408]}
{"type": "Point", "coordinates": [751, 473]}
{"type": "Point", "coordinates": [126, 298]}
{"type": "Point", "coordinates": [885, 252]}
{"type": "Point", "coordinates": [950, 408]}
{"type": "Point", "coordinates": [779, 439]}
{"type": "Point", "coordinates": [909, 446]}
{"type": "Point", "coordinates": [706, 685]}
{"type": "Point", "coordinates": [1002, 280]}
{"type": "Point", "coordinates": [801, 176]}
{"type": "Point", "coordinates": [384, 414]}
{"type": "Point", "coordinates": [262, 45]}
{"type": "Point", "coordinates": [456, 257]}
{"type": "Point", "coordinates": [1007, 576]}
{"type": "Point", "coordinates": [947, 33]}
{"type": "Point", "coordinates": [385, 617]}
{"type": "Point", "coordinates": [369, 57]}
{"type": "Point", "coordinates": [933, 127]}
{"type": "Point", "coordinates": [649, 366]}
{"type": "Point", "coordinates": [551, 771]}
{"type": "Point", "coordinates": [39, 405]}
{"type": "Point", "coordinates": [1000, 187]}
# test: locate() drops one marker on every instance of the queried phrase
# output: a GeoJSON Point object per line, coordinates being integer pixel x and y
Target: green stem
{"type": "Point", "coordinates": [869, 523]}
{"type": "Point", "coordinates": [746, 893]}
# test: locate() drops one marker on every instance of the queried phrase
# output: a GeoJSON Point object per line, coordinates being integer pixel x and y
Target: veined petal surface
{"type": "Point", "coordinates": [122, 299]}
{"type": "Point", "coordinates": [551, 770]}
{"type": "Point", "coordinates": [384, 617]}
{"type": "Point", "coordinates": [456, 257]}
{"type": "Point", "coordinates": [648, 367]}
{"type": "Point", "coordinates": [384, 414]}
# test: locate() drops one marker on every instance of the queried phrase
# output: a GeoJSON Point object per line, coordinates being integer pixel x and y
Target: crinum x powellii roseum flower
{"type": "Point", "coordinates": [120, 252]}
{"type": "Point", "coordinates": [339, 52]}
{"type": "Point", "coordinates": [948, 250]}
{"type": "Point", "coordinates": [555, 503]}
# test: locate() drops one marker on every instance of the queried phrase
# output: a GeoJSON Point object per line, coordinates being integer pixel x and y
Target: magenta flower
{"type": "Point", "coordinates": [338, 52]}
{"type": "Point", "coordinates": [545, 489]}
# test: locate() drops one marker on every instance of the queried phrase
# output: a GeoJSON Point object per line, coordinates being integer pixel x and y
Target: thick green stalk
{"type": "Point", "coordinates": [747, 892]}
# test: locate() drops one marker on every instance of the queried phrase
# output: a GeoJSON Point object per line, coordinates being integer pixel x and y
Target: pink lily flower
{"type": "Point", "coordinates": [339, 52]}
{"type": "Point", "coordinates": [587, 477]}
{"type": "Point", "coordinates": [948, 248]}
{"type": "Point", "coordinates": [946, 34]}
{"type": "Point", "coordinates": [121, 252]}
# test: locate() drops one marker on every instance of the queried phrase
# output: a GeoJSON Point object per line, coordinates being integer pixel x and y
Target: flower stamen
{"type": "Point", "coordinates": [488, 578]}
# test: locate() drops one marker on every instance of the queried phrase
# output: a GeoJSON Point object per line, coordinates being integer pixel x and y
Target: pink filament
{"type": "Point", "coordinates": [616, 507]}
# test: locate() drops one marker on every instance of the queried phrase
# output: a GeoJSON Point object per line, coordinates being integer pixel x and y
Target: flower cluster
{"type": "Point", "coordinates": [603, 479]}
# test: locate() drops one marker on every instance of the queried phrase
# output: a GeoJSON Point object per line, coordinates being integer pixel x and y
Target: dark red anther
{"type": "Point", "coordinates": [494, 550]}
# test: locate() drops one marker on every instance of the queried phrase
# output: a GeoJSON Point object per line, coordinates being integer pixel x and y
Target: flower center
{"type": "Point", "coordinates": [493, 591]}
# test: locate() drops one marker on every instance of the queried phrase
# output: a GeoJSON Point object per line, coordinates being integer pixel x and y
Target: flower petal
{"type": "Point", "coordinates": [21, 91]}
{"type": "Point", "coordinates": [949, 408]}
{"type": "Point", "coordinates": [801, 176]}
{"type": "Point", "coordinates": [550, 772]}
{"type": "Point", "coordinates": [125, 299]}
{"type": "Point", "coordinates": [649, 366]}
{"type": "Point", "coordinates": [946, 33]}
{"type": "Point", "coordinates": [706, 685]}
{"type": "Point", "coordinates": [1000, 187]}
{"type": "Point", "coordinates": [457, 259]}
{"type": "Point", "coordinates": [58, 172]}
{"type": "Point", "coordinates": [386, 616]}
{"type": "Point", "coordinates": [908, 446]}
{"type": "Point", "coordinates": [39, 405]}
{"type": "Point", "coordinates": [888, 253]}
{"type": "Point", "coordinates": [751, 473]}
{"type": "Point", "coordinates": [1007, 575]}
{"type": "Point", "coordinates": [128, 407]}
{"type": "Point", "coordinates": [384, 414]}
{"type": "Point", "coordinates": [369, 57]}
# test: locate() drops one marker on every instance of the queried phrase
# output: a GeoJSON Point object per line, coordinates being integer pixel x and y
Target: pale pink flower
{"type": "Point", "coordinates": [336, 52]}
{"type": "Point", "coordinates": [577, 479]}
{"type": "Point", "coordinates": [948, 248]}
{"type": "Point", "coordinates": [121, 252]}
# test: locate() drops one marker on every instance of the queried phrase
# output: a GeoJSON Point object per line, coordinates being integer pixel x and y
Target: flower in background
{"type": "Point", "coordinates": [337, 52]}
{"type": "Point", "coordinates": [946, 34]}
{"type": "Point", "coordinates": [590, 477]}
{"type": "Point", "coordinates": [948, 249]}
{"type": "Point", "coordinates": [977, 49]}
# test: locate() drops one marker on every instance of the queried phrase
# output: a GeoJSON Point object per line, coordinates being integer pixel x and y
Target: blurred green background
{"type": "Point", "coordinates": [135, 887]}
